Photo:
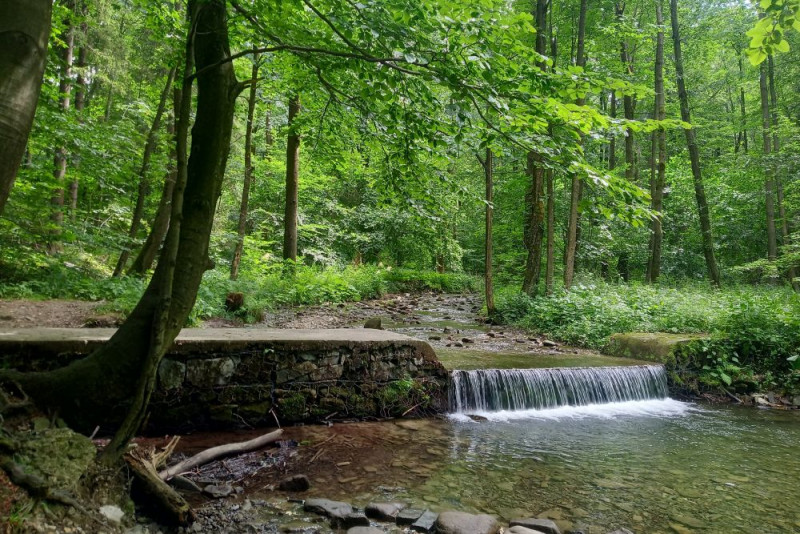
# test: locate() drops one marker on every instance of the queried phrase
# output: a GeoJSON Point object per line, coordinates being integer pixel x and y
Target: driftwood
{"type": "Point", "coordinates": [171, 507]}
{"type": "Point", "coordinates": [213, 453]}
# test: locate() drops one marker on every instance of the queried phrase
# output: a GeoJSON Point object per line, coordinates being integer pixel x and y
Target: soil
{"type": "Point", "coordinates": [50, 313]}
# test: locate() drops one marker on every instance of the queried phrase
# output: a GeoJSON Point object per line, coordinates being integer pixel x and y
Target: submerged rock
{"type": "Point", "coordinates": [337, 511]}
{"type": "Point", "coordinates": [365, 530]}
{"type": "Point", "coordinates": [408, 516]}
{"type": "Point", "coordinates": [543, 525]}
{"type": "Point", "coordinates": [463, 523]}
{"type": "Point", "coordinates": [426, 522]}
{"type": "Point", "coordinates": [383, 511]}
{"type": "Point", "coordinates": [523, 530]}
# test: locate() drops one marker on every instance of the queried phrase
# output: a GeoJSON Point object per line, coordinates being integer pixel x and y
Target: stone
{"type": "Point", "coordinates": [209, 372]}
{"type": "Point", "coordinates": [335, 510]}
{"type": "Point", "coordinates": [58, 455]}
{"type": "Point", "coordinates": [463, 523]}
{"type": "Point", "coordinates": [621, 531]}
{"type": "Point", "coordinates": [374, 323]}
{"type": "Point", "coordinates": [294, 483]}
{"type": "Point", "coordinates": [355, 519]}
{"type": "Point", "coordinates": [435, 338]}
{"type": "Point", "coordinates": [523, 530]}
{"type": "Point", "coordinates": [184, 484]}
{"type": "Point", "coordinates": [408, 516]}
{"type": "Point", "coordinates": [548, 343]}
{"type": "Point", "coordinates": [112, 513]}
{"type": "Point", "coordinates": [467, 340]}
{"type": "Point", "coordinates": [543, 525]}
{"type": "Point", "coordinates": [383, 511]}
{"type": "Point", "coordinates": [218, 491]}
{"type": "Point", "coordinates": [426, 522]}
{"type": "Point", "coordinates": [171, 374]}
{"type": "Point", "coordinates": [365, 530]}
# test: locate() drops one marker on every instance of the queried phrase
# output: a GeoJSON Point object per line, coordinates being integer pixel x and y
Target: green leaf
{"type": "Point", "coordinates": [783, 46]}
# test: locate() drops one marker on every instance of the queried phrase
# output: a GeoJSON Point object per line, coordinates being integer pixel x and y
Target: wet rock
{"type": "Point", "coordinates": [491, 334]}
{"type": "Point", "coordinates": [218, 491]}
{"type": "Point", "coordinates": [355, 519]}
{"type": "Point", "coordinates": [477, 418]}
{"type": "Point", "coordinates": [435, 338]}
{"type": "Point", "coordinates": [621, 531]}
{"type": "Point", "coordinates": [463, 523]}
{"type": "Point", "coordinates": [374, 323]}
{"type": "Point", "coordinates": [294, 483]}
{"type": "Point", "coordinates": [408, 516]}
{"type": "Point", "coordinates": [426, 522]}
{"type": "Point", "coordinates": [523, 530]}
{"type": "Point", "coordinates": [185, 484]}
{"type": "Point", "coordinates": [112, 513]}
{"type": "Point", "coordinates": [365, 530]}
{"type": "Point", "coordinates": [383, 511]}
{"type": "Point", "coordinates": [467, 340]}
{"type": "Point", "coordinates": [548, 343]}
{"type": "Point", "coordinates": [543, 525]}
{"type": "Point", "coordinates": [335, 510]}
{"type": "Point", "coordinates": [458, 344]}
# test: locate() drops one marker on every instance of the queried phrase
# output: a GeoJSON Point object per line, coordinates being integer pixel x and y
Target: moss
{"type": "Point", "coordinates": [293, 407]}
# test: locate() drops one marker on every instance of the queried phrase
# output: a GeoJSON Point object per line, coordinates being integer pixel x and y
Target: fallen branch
{"type": "Point", "coordinates": [213, 453]}
{"type": "Point", "coordinates": [169, 505]}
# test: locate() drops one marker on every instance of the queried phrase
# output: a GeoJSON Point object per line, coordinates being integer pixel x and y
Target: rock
{"type": "Point", "coordinates": [458, 344]}
{"type": "Point", "coordinates": [523, 530]}
{"type": "Point", "coordinates": [171, 374]}
{"type": "Point", "coordinates": [294, 483]}
{"type": "Point", "coordinates": [365, 530]}
{"type": "Point", "coordinates": [383, 511]}
{"type": "Point", "coordinates": [543, 525]}
{"type": "Point", "coordinates": [184, 484]}
{"type": "Point", "coordinates": [408, 516]}
{"type": "Point", "coordinates": [355, 519]}
{"type": "Point", "coordinates": [426, 522]}
{"type": "Point", "coordinates": [467, 340]}
{"type": "Point", "coordinates": [335, 510]}
{"type": "Point", "coordinates": [58, 455]}
{"type": "Point", "coordinates": [796, 400]}
{"type": "Point", "coordinates": [491, 334]}
{"type": "Point", "coordinates": [760, 400]}
{"type": "Point", "coordinates": [463, 523]}
{"type": "Point", "coordinates": [218, 490]}
{"type": "Point", "coordinates": [621, 531]}
{"type": "Point", "coordinates": [374, 323]}
{"type": "Point", "coordinates": [477, 418]}
{"type": "Point", "coordinates": [112, 513]}
{"type": "Point", "coordinates": [548, 343]}
{"type": "Point", "coordinates": [435, 338]}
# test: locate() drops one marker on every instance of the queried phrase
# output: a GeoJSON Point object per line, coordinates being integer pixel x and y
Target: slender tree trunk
{"type": "Point", "coordinates": [488, 173]}
{"type": "Point", "coordinates": [659, 155]}
{"type": "Point", "coordinates": [612, 143]}
{"type": "Point", "coordinates": [24, 32]}
{"type": "Point", "coordinates": [60, 158]}
{"type": "Point", "coordinates": [742, 106]}
{"type": "Point", "coordinates": [144, 183]}
{"type": "Point", "coordinates": [97, 387]}
{"type": "Point", "coordinates": [158, 230]}
{"type": "Point", "coordinates": [534, 199]}
{"type": "Point", "coordinates": [292, 178]}
{"type": "Point", "coordinates": [694, 153]}
{"type": "Point", "coordinates": [628, 103]}
{"type": "Point", "coordinates": [248, 172]}
{"type": "Point", "coordinates": [551, 225]}
{"type": "Point", "coordinates": [268, 138]}
{"type": "Point", "coordinates": [769, 182]}
{"type": "Point", "coordinates": [575, 193]}
{"type": "Point", "coordinates": [80, 103]}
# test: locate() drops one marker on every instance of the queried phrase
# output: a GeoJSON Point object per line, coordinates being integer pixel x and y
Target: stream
{"type": "Point", "coordinates": [652, 466]}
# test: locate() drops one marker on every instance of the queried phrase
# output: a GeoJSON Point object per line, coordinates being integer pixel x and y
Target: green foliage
{"type": "Point", "coordinates": [768, 34]}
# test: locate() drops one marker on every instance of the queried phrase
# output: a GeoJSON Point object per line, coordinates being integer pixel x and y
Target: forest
{"type": "Point", "coordinates": [588, 167]}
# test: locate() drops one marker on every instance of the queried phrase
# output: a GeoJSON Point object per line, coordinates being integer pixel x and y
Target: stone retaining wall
{"type": "Point", "coordinates": [234, 377]}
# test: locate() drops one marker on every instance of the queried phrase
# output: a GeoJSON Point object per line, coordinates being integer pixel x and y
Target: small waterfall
{"type": "Point", "coordinates": [489, 390]}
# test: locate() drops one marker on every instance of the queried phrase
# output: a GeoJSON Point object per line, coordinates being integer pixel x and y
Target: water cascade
{"type": "Point", "coordinates": [490, 390]}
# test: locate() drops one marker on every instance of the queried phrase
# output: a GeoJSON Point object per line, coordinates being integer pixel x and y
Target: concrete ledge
{"type": "Point", "coordinates": [223, 377]}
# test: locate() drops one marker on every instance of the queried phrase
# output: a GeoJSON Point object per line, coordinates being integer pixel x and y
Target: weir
{"type": "Point", "coordinates": [490, 390]}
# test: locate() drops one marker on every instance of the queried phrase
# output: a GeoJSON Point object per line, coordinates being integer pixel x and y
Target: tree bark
{"type": "Point", "coordinates": [248, 172]}
{"type": "Point", "coordinates": [694, 153]}
{"type": "Point", "coordinates": [97, 387]}
{"type": "Point", "coordinates": [60, 157]}
{"type": "Point", "coordinates": [612, 143]}
{"type": "Point", "coordinates": [575, 193]}
{"type": "Point", "coordinates": [144, 168]}
{"type": "Point", "coordinates": [24, 32]}
{"type": "Point", "coordinates": [769, 182]}
{"type": "Point", "coordinates": [80, 101]}
{"type": "Point", "coordinates": [488, 173]}
{"type": "Point", "coordinates": [292, 178]}
{"type": "Point", "coordinates": [742, 138]}
{"type": "Point", "coordinates": [658, 178]}
{"type": "Point", "coordinates": [550, 262]}
{"type": "Point", "coordinates": [628, 103]}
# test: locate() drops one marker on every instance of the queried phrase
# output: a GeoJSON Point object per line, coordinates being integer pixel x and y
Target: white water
{"type": "Point", "coordinates": [507, 394]}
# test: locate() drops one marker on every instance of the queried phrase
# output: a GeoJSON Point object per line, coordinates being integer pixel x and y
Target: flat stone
{"type": "Point", "coordinates": [365, 530]}
{"type": "Point", "coordinates": [383, 511]}
{"type": "Point", "coordinates": [543, 525]}
{"type": "Point", "coordinates": [426, 522]}
{"type": "Point", "coordinates": [355, 519]}
{"type": "Point", "coordinates": [112, 513]}
{"type": "Point", "coordinates": [621, 531]}
{"type": "Point", "coordinates": [523, 530]}
{"type": "Point", "coordinates": [463, 523]}
{"type": "Point", "coordinates": [294, 483]}
{"type": "Point", "coordinates": [337, 511]}
{"type": "Point", "coordinates": [218, 491]}
{"type": "Point", "coordinates": [408, 516]}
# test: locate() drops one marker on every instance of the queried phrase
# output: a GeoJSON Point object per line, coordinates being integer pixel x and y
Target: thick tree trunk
{"type": "Point", "coordinates": [575, 193]}
{"type": "Point", "coordinates": [488, 172]}
{"type": "Point", "coordinates": [769, 182]}
{"type": "Point", "coordinates": [24, 32]}
{"type": "Point", "coordinates": [60, 158]}
{"type": "Point", "coordinates": [158, 230]}
{"type": "Point", "coordinates": [144, 168]}
{"type": "Point", "coordinates": [694, 153]}
{"type": "Point", "coordinates": [292, 178]}
{"type": "Point", "coordinates": [658, 177]}
{"type": "Point", "coordinates": [533, 233]}
{"type": "Point", "coordinates": [248, 172]}
{"type": "Point", "coordinates": [98, 386]}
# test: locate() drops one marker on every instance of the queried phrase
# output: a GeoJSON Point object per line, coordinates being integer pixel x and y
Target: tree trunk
{"type": "Point", "coordinates": [551, 225]}
{"type": "Point", "coordinates": [147, 255]}
{"type": "Point", "coordinates": [694, 153]}
{"type": "Point", "coordinates": [769, 182]}
{"type": "Point", "coordinates": [96, 387]}
{"type": "Point", "coordinates": [658, 180]}
{"type": "Point", "coordinates": [292, 177]}
{"type": "Point", "coordinates": [60, 158]}
{"type": "Point", "coordinates": [628, 103]}
{"type": "Point", "coordinates": [488, 172]}
{"type": "Point", "coordinates": [612, 143]}
{"type": "Point", "coordinates": [144, 184]}
{"type": "Point", "coordinates": [534, 199]}
{"type": "Point", "coordinates": [80, 103]}
{"type": "Point", "coordinates": [742, 137]}
{"type": "Point", "coordinates": [575, 193]}
{"type": "Point", "coordinates": [24, 32]}
{"type": "Point", "coordinates": [248, 171]}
